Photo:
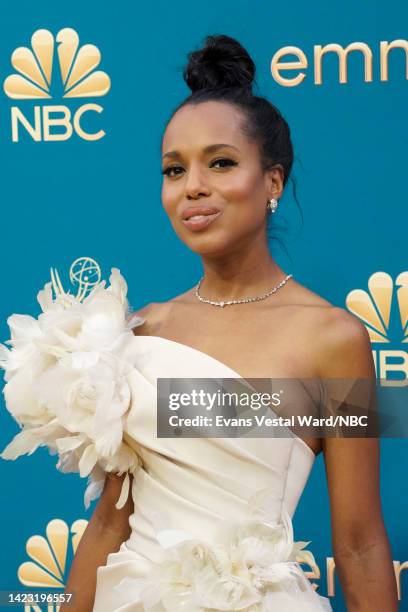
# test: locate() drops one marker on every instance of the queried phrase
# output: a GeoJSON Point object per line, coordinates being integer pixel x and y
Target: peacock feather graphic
{"type": "Point", "coordinates": [34, 67]}
{"type": "Point", "coordinates": [373, 307]}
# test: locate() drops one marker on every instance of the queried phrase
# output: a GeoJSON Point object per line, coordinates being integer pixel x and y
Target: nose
{"type": "Point", "coordinates": [196, 184]}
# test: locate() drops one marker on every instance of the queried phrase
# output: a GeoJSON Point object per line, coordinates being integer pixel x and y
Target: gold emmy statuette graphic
{"type": "Point", "coordinates": [373, 307]}
{"type": "Point", "coordinates": [84, 271]}
{"type": "Point", "coordinates": [76, 65]}
{"type": "Point", "coordinates": [48, 555]}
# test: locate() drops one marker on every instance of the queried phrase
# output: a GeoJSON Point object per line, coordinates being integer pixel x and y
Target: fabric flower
{"type": "Point", "coordinates": [67, 382]}
{"type": "Point", "coordinates": [251, 565]}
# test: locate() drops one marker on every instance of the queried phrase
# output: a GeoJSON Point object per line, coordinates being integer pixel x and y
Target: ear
{"type": "Point", "coordinates": [274, 181]}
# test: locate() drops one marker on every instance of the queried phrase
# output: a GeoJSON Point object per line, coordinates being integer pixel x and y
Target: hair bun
{"type": "Point", "coordinates": [222, 62]}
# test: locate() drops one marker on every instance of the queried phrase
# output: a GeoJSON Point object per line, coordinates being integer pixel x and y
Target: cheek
{"type": "Point", "coordinates": [168, 197]}
{"type": "Point", "coordinates": [244, 188]}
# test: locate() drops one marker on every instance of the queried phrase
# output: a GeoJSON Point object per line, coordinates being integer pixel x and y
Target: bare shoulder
{"type": "Point", "coordinates": [340, 340]}
{"type": "Point", "coordinates": [328, 318]}
{"type": "Point", "coordinates": [344, 346]}
{"type": "Point", "coordinates": [153, 314]}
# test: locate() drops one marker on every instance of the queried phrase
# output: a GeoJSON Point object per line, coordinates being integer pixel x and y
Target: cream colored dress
{"type": "Point", "coordinates": [211, 528]}
{"type": "Point", "coordinates": [188, 496]}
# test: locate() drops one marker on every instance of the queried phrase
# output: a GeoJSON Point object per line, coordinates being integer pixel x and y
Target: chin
{"type": "Point", "coordinates": [208, 246]}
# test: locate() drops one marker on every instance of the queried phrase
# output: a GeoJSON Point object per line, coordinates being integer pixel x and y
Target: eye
{"type": "Point", "coordinates": [226, 161]}
{"type": "Point", "coordinates": [167, 170]}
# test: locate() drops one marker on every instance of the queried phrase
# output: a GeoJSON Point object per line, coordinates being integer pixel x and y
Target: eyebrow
{"type": "Point", "coordinates": [208, 149]}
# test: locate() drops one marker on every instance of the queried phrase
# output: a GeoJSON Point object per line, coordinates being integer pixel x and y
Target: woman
{"type": "Point", "coordinates": [227, 156]}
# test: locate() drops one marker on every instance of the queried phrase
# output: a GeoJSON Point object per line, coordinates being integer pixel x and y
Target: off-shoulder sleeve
{"type": "Point", "coordinates": [67, 383]}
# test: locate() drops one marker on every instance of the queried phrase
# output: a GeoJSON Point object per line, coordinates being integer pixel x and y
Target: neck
{"type": "Point", "coordinates": [239, 275]}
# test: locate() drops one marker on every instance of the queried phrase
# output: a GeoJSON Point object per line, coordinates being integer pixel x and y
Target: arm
{"type": "Point", "coordinates": [104, 534]}
{"type": "Point", "coordinates": [361, 548]}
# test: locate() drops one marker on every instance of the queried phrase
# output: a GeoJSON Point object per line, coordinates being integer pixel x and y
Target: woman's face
{"type": "Point", "coordinates": [208, 162]}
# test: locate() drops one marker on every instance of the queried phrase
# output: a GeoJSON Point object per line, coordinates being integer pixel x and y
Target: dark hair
{"type": "Point", "coordinates": [223, 70]}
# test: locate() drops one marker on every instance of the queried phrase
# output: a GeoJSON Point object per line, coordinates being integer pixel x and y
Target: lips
{"type": "Point", "coordinates": [197, 218]}
{"type": "Point", "coordinates": [191, 211]}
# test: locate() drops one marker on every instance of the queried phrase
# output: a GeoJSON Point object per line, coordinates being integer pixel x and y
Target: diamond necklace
{"type": "Point", "coordinates": [243, 300]}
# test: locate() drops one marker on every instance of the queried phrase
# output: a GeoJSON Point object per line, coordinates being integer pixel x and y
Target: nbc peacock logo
{"type": "Point", "coordinates": [37, 79]}
{"type": "Point", "coordinates": [384, 311]}
{"type": "Point", "coordinates": [47, 567]}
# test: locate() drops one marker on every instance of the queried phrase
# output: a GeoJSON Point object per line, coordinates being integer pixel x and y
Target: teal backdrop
{"type": "Point", "coordinates": [74, 197]}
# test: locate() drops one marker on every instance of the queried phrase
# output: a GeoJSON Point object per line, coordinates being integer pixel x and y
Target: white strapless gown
{"type": "Point", "coordinates": [198, 488]}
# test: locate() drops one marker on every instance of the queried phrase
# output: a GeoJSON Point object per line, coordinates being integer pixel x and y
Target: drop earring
{"type": "Point", "coordinates": [272, 205]}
